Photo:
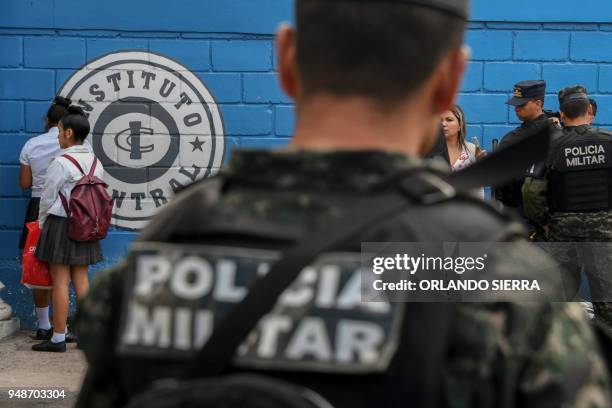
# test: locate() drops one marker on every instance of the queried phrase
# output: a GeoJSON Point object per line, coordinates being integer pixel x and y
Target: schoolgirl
{"type": "Point", "coordinates": [35, 158]}
{"type": "Point", "coordinates": [68, 259]}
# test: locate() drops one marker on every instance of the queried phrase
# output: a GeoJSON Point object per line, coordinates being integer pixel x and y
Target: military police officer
{"type": "Point", "coordinates": [528, 103]}
{"type": "Point", "coordinates": [368, 92]}
{"type": "Point", "coordinates": [573, 200]}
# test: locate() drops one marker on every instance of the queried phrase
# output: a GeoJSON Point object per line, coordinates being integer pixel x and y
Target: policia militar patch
{"type": "Point", "coordinates": [177, 293]}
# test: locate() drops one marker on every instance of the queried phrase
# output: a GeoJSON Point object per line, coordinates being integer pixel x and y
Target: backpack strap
{"type": "Point", "coordinates": [75, 162]}
{"type": "Point", "coordinates": [93, 167]}
{"type": "Point", "coordinates": [78, 166]}
{"type": "Point", "coordinates": [64, 203]}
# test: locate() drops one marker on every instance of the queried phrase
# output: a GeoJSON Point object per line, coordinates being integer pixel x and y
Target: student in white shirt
{"type": "Point", "coordinates": [35, 158]}
{"type": "Point", "coordinates": [68, 259]}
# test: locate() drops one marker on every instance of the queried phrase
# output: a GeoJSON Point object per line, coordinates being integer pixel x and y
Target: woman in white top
{"type": "Point", "coordinates": [68, 259]}
{"type": "Point", "coordinates": [35, 158]}
{"type": "Point", "coordinates": [460, 152]}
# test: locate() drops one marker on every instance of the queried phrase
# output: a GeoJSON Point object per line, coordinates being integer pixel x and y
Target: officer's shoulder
{"type": "Point", "coordinates": [603, 132]}
{"type": "Point", "coordinates": [195, 199]}
{"type": "Point", "coordinates": [463, 216]}
{"type": "Point", "coordinates": [510, 134]}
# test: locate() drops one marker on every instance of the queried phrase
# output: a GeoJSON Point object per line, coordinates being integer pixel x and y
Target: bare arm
{"type": "Point", "coordinates": [25, 176]}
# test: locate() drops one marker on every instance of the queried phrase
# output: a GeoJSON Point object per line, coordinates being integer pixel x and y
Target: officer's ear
{"type": "Point", "coordinates": [540, 103]}
{"type": "Point", "coordinates": [286, 58]}
{"type": "Point", "coordinates": [447, 77]}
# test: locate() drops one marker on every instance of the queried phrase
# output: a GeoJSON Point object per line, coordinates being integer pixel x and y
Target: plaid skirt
{"type": "Point", "coordinates": [55, 247]}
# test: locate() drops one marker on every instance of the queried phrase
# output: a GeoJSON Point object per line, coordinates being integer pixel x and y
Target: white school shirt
{"type": "Point", "coordinates": [37, 153]}
{"type": "Point", "coordinates": [62, 176]}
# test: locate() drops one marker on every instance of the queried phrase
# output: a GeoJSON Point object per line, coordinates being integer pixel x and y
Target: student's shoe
{"type": "Point", "coordinates": [42, 334]}
{"type": "Point", "coordinates": [50, 346]}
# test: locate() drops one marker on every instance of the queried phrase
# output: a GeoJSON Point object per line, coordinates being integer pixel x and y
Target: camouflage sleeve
{"type": "Point", "coordinates": [567, 369]}
{"type": "Point", "coordinates": [525, 353]}
{"type": "Point", "coordinates": [551, 346]}
{"type": "Point", "coordinates": [535, 202]}
{"type": "Point", "coordinates": [97, 325]}
{"type": "Point", "coordinates": [524, 356]}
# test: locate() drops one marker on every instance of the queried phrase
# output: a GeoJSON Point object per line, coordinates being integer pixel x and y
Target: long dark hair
{"type": "Point", "coordinates": [77, 121]}
{"type": "Point", "coordinates": [460, 115]}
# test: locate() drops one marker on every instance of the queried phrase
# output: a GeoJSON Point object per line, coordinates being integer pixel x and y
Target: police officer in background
{"type": "Point", "coordinates": [368, 93]}
{"type": "Point", "coordinates": [528, 103]}
{"type": "Point", "coordinates": [573, 200]}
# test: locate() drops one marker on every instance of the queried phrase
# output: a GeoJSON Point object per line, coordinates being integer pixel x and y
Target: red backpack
{"type": "Point", "coordinates": [91, 207]}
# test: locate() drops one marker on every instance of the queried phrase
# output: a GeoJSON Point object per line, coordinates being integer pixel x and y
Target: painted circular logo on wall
{"type": "Point", "coordinates": [154, 126]}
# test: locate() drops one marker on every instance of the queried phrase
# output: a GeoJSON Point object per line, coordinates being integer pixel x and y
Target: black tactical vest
{"type": "Point", "coordinates": [580, 171]}
{"type": "Point", "coordinates": [196, 259]}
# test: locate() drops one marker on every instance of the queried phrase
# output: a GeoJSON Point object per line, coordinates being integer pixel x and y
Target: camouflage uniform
{"type": "Point", "coordinates": [499, 354]}
{"type": "Point", "coordinates": [582, 236]}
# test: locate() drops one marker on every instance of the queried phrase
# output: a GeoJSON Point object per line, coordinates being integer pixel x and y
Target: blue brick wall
{"type": "Point", "coordinates": [229, 45]}
{"type": "Point", "coordinates": [239, 55]}
{"type": "Point", "coordinates": [504, 53]}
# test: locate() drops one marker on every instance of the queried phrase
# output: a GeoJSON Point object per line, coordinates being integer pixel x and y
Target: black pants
{"type": "Point", "coordinates": [31, 215]}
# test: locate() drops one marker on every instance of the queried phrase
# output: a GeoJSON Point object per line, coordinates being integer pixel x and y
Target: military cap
{"type": "Point", "coordinates": [525, 91]}
{"type": "Point", "coordinates": [457, 8]}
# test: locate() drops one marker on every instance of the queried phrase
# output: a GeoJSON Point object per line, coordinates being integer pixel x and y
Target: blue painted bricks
{"type": "Point", "coordinates": [11, 52]}
{"type": "Point", "coordinates": [490, 45]}
{"type": "Point", "coordinates": [11, 116]}
{"type": "Point", "coordinates": [484, 108]}
{"type": "Point", "coordinates": [242, 55]}
{"type": "Point", "coordinates": [194, 54]}
{"type": "Point", "coordinates": [225, 87]}
{"type": "Point", "coordinates": [591, 47]}
{"type": "Point", "coordinates": [53, 52]}
{"type": "Point", "coordinates": [285, 120]}
{"type": "Point", "coordinates": [229, 46]}
{"type": "Point", "coordinates": [541, 46]}
{"type": "Point", "coordinates": [558, 76]}
{"type": "Point", "coordinates": [498, 75]}
{"type": "Point", "coordinates": [11, 147]}
{"type": "Point", "coordinates": [473, 79]}
{"type": "Point", "coordinates": [263, 88]}
{"type": "Point", "coordinates": [27, 84]}
{"type": "Point", "coordinates": [247, 120]}
{"type": "Point", "coordinates": [35, 113]}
